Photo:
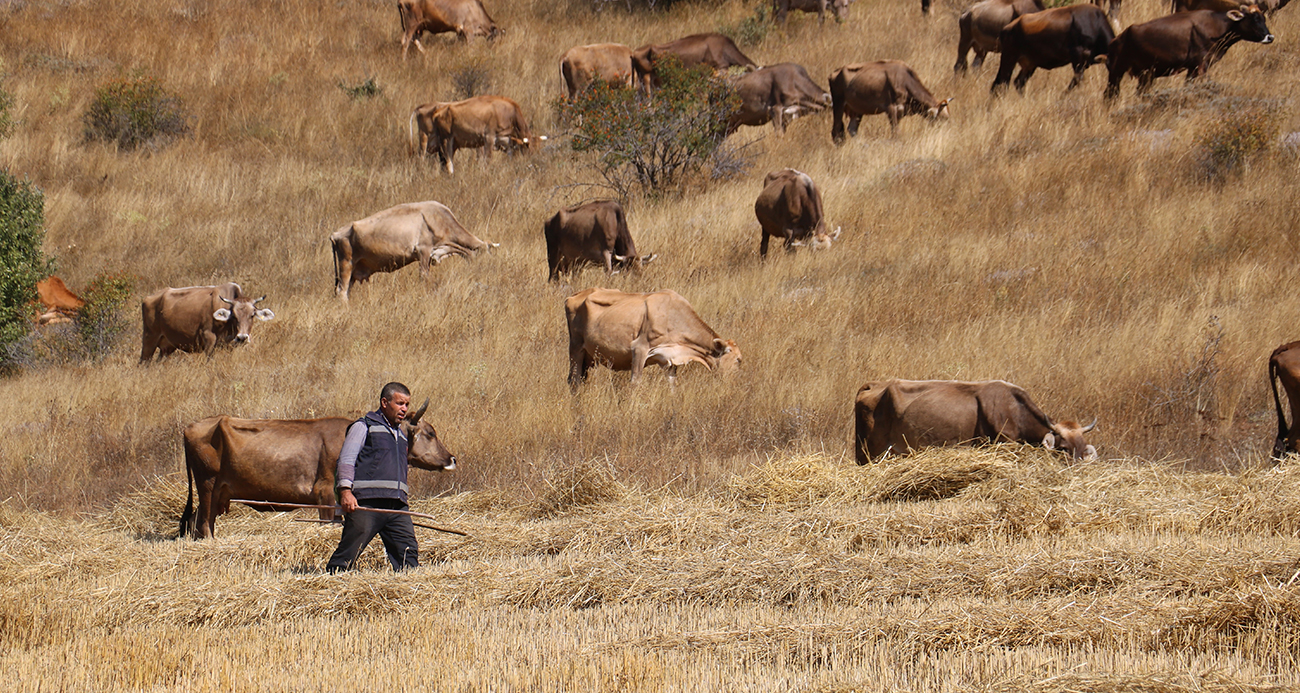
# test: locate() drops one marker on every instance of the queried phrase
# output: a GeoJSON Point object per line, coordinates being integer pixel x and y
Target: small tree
{"type": "Point", "coordinates": [135, 110]}
{"type": "Point", "coordinates": [22, 263]}
{"type": "Point", "coordinates": [652, 142]}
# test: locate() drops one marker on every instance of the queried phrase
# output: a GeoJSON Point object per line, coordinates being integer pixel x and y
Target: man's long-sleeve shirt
{"type": "Point", "coordinates": [352, 444]}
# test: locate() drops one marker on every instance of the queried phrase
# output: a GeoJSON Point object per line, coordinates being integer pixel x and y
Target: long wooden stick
{"type": "Point", "coordinates": [417, 524]}
{"type": "Point", "coordinates": [339, 509]}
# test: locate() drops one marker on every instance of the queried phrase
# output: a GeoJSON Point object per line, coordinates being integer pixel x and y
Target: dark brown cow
{"type": "Point", "coordinates": [776, 93]}
{"type": "Point", "coordinates": [58, 303]}
{"type": "Point", "coordinates": [1269, 6]}
{"type": "Point", "coordinates": [465, 17]}
{"type": "Point", "coordinates": [197, 318]}
{"type": "Point", "coordinates": [714, 50]}
{"type": "Point", "coordinates": [1078, 35]}
{"type": "Point", "coordinates": [280, 461]}
{"type": "Point", "coordinates": [902, 415]}
{"type": "Point", "coordinates": [885, 86]}
{"type": "Point", "coordinates": [626, 332]}
{"type": "Point", "coordinates": [790, 208]}
{"type": "Point", "coordinates": [781, 9]}
{"type": "Point", "coordinates": [1284, 365]}
{"type": "Point", "coordinates": [424, 232]}
{"type": "Point", "coordinates": [482, 122]}
{"type": "Point", "coordinates": [599, 62]}
{"type": "Point", "coordinates": [1191, 41]}
{"type": "Point", "coordinates": [982, 25]}
{"type": "Point", "coordinates": [595, 233]}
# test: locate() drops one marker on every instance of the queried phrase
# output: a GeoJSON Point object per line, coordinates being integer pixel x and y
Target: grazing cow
{"type": "Point", "coordinates": [628, 331]}
{"type": "Point", "coordinates": [465, 17]}
{"type": "Point", "coordinates": [774, 94]}
{"type": "Point", "coordinates": [1191, 41]}
{"type": "Point", "coordinates": [1269, 6]}
{"type": "Point", "coordinates": [982, 25]}
{"type": "Point", "coordinates": [600, 62]}
{"type": "Point", "coordinates": [394, 238]}
{"type": "Point", "coordinates": [1284, 365]}
{"type": "Point", "coordinates": [714, 50]}
{"type": "Point", "coordinates": [901, 415]}
{"type": "Point", "coordinates": [781, 9]}
{"type": "Point", "coordinates": [596, 233]}
{"type": "Point", "coordinates": [197, 318]}
{"type": "Point", "coordinates": [1078, 35]}
{"type": "Point", "coordinates": [420, 127]}
{"type": "Point", "coordinates": [790, 208]}
{"type": "Point", "coordinates": [482, 122]}
{"type": "Point", "coordinates": [58, 303]}
{"type": "Point", "coordinates": [885, 86]}
{"type": "Point", "coordinates": [280, 461]}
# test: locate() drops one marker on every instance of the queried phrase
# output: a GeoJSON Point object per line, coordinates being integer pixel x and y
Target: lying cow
{"type": "Point", "coordinates": [1284, 365]}
{"type": "Point", "coordinates": [790, 208]}
{"type": "Point", "coordinates": [465, 17]}
{"type": "Point", "coordinates": [982, 25]}
{"type": "Point", "coordinates": [600, 62]}
{"type": "Point", "coordinates": [197, 318]}
{"type": "Point", "coordinates": [58, 303]}
{"type": "Point", "coordinates": [626, 332]}
{"type": "Point", "coordinates": [1191, 41]}
{"type": "Point", "coordinates": [781, 9]}
{"type": "Point", "coordinates": [1078, 35]}
{"type": "Point", "coordinates": [481, 122]}
{"type": "Point", "coordinates": [281, 461]}
{"type": "Point", "coordinates": [775, 94]}
{"type": "Point", "coordinates": [901, 415]}
{"type": "Point", "coordinates": [595, 233]}
{"type": "Point", "coordinates": [885, 86]}
{"type": "Point", "coordinates": [426, 232]}
{"type": "Point", "coordinates": [712, 50]}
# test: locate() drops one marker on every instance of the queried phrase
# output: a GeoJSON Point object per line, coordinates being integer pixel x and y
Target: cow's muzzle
{"type": "Point", "coordinates": [1267, 39]}
{"type": "Point", "coordinates": [450, 465]}
{"type": "Point", "coordinates": [241, 338]}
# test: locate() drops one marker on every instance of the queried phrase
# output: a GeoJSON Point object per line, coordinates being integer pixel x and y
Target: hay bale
{"type": "Point", "coordinates": [587, 483]}
{"type": "Point", "coordinates": [152, 511]}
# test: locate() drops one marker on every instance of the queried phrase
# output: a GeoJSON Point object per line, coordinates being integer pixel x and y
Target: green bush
{"type": "Point", "coordinates": [103, 318]}
{"type": "Point", "coordinates": [368, 89]}
{"type": "Point", "coordinates": [651, 143]}
{"type": "Point", "coordinates": [135, 111]}
{"type": "Point", "coordinates": [22, 262]}
{"type": "Point", "coordinates": [751, 30]}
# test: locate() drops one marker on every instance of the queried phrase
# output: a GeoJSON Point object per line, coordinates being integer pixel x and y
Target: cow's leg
{"type": "Point", "coordinates": [342, 267]}
{"type": "Point", "coordinates": [854, 122]}
{"type": "Point", "coordinates": [579, 364]}
{"type": "Point", "coordinates": [777, 115]}
{"type": "Point", "coordinates": [978, 61]}
{"type": "Point", "coordinates": [1144, 81]}
{"type": "Point", "coordinates": [1078, 75]}
{"type": "Point", "coordinates": [762, 246]}
{"type": "Point", "coordinates": [640, 352]}
{"type": "Point", "coordinates": [1026, 71]}
{"type": "Point", "coordinates": [837, 120]}
{"type": "Point", "coordinates": [895, 113]}
{"type": "Point", "coordinates": [964, 43]}
{"type": "Point", "coordinates": [609, 261]}
{"type": "Point", "coordinates": [208, 343]}
{"type": "Point", "coordinates": [205, 523]}
{"type": "Point", "coordinates": [148, 344]}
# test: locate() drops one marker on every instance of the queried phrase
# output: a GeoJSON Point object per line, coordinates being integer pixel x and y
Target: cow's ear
{"type": "Point", "coordinates": [1089, 452]}
{"type": "Point", "coordinates": [265, 314]}
{"type": "Point", "coordinates": [1236, 15]}
{"type": "Point", "coordinates": [221, 315]}
{"type": "Point", "coordinates": [1049, 441]}
{"type": "Point", "coordinates": [720, 347]}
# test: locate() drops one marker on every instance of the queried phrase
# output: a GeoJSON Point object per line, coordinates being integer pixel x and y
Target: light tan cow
{"type": "Point", "coordinates": [626, 332]}
{"type": "Point", "coordinates": [982, 24]}
{"type": "Point", "coordinates": [465, 17]}
{"type": "Point", "coordinates": [599, 62]}
{"type": "Point", "coordinates": [790, 208]}
{"type": "Point", "coordinates": [482, 122]}
{"type": "Point", "coordinates": [197, 318]}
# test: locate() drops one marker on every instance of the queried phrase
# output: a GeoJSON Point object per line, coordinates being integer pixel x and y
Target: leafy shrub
{"type": "Point", "coordinates": [103, 318]}
{"type": "Point", "coordinates": [133, 111]}
{"type": "Point", "coordinates": [650, 143]}
{"type": "Point", "coordinates": [22, 263]}
{"type": "Point", "coordinates": [751, 30]}
{"type": "Point", "coordinates": [368, 89]}
{"type": "Point", "coordinates": [1229, 143]}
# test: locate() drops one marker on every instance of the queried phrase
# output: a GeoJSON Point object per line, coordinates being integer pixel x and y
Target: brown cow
{"type": "Point", "coordinates": [781, 9]}
{"type": "Point", "coordinates": [387, 241]}
{"type": "Point", "coordinates": [1078, 35]}
{"type": "Point", "coordinates": [714, 50]}
{"type": "Point", "coordinates": [901, 415]}
{"type": "Point", "coordinates": [57, 301]}
{"type": "Point", "coordinates": [1191, 41]}
{"type": "Point", "coordinates": [982, 25]}
{"type": "Point", "coordinates": [482, 122]}
{"type": "Point", "coordinates": [790, 208]}
{"type": "Point", "coordinates": [420, 126]}
{"type": "Point", "coordinates": [596, 233]}
{"type": "Point", "coordinates": [465, 17]}
{"type": "Point", "coordinates": [281, 461]}
{"type": "Point", "coordinates": [598, 62]}
{"type": "Point", "coordinates": [628, 331]}
{"type": "Point", "coordinates": [774, 94]}
{"type": "Point", "coordinates": [1284, 365]}
{"type": "Point", "coordinates": [885, 86]}
{"type": "Point", "coordinates": [197, 318]}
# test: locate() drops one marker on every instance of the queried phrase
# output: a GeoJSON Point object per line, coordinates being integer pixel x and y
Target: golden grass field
{"type": "Point", "coordinates": [715, 536]}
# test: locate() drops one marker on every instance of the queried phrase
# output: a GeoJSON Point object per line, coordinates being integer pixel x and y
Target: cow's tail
{"type": "Point", "coordinates": [1282, 431]}
{"type": "Point", "coordinates": [410, 126]}
{"type": "Point", "coordinates": [189, 501]}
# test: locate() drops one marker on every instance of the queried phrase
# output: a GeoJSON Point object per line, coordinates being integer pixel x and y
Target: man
{"type": "Point", "coordinates": [372, 474]}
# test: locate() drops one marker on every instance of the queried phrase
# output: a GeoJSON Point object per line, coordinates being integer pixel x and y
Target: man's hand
{"type": "Point", "coordinates": [348, 500]}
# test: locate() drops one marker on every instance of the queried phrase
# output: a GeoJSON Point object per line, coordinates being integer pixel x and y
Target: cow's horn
{"type": "Point", "coordinates": [226, 300]}
{"type": "Point", "coordinates": [414, 417]}
{"type": "Point", "coordinates": [263, 298]}
{"type": "Point", "coordinates": [1090, 426]}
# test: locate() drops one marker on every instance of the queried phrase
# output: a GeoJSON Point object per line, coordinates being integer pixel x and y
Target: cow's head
{"type": "Point", "coordinates": [726, 355]}
{"type": "Point", "coordinates": [1248, 23]}
{"type": "Point", "coordinates": [840, 8]}
{"type": "Point", "coordinates": [820, 240]}
{"type": "Point", "coordinates": [1068, 436]}
{"type": "Point", "coordinates": [939, 111]}
{"type": "Point", "coordinates": [423, 449]}
{"type": "Point", "coordinates": [239, 316]}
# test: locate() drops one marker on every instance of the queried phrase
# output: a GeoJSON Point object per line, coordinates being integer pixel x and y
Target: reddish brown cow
{"type": "Point", "coordinates": [58, 303]}
{"type": "Point", "coordinates": [595, 233]}
{"type": "Point", "coordinates": [197, 318]}
{"type": "Point", "coordinates": [1191, 41]}
{"type": "Point", "coordinates": [714, 50]}
{"type": "Point", "coordinates": [482, 122]}
{"type": "Point", "coordinates": [885, 86]}
{"type": "Point", "coordinates": [790, 208]}
{"type": "Point", "coordinates": [1078, 35]}
{"type": "Point", "coordinates": [781, 9]}
{"type": "Point", "coordinates": [465, 17]}
{"type": "Point", "coordinates": [901, 415]}
{"type": "Point", "coordinates": [1284, 365]}
{"type": "Point", "coordinates": [627, 332]}
{"type": "Point", "coordinates": [280, 461]}
{"type": "Point", "coordinates": [600, 62]}
{"type": "Point", "coordinates": [774, 94]}
{"type": "Point", "coordinates": [982, 25]}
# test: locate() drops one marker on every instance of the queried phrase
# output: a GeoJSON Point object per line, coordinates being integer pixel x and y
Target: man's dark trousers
{"type": "Point", "coordinates": [360, 527]}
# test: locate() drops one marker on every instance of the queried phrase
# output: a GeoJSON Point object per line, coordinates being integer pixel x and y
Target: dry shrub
{"type": "Point", "coordinates": [133, 111]}
{"type": "Point", "coordinates": [151, 512]}
{"type": "Point", "coordinates": [576, 486]}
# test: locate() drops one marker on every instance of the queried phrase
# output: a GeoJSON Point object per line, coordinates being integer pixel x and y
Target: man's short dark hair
{"type": "Point", "coordinates": [393, 388]}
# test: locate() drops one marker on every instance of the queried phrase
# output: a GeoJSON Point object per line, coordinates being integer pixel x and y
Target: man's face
{"type": "Point", "coordinates": [395, 409]}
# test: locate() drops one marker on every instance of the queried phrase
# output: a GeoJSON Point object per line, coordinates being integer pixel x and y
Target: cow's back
{"type": "Point", "coordinates": [185, 312]}
{"type": "Point", "coordinates": [393, 232]}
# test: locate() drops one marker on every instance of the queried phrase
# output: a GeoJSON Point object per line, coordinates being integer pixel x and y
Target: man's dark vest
{"type": "Point", "coordinates": [381, 464]}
